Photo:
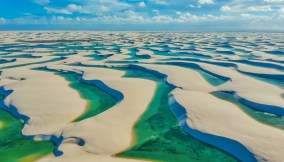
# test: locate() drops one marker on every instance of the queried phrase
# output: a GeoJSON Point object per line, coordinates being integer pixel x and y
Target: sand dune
{"type": "Point", "coordinates": [196, 65]}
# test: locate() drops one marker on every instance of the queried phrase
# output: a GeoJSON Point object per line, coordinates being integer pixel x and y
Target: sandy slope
{"type": "Point", "coordinates": [218, 117]}
{"type": "Point", "coordinates": [41, 97]}
{"type": "Point", "coordinates": [111, 132]}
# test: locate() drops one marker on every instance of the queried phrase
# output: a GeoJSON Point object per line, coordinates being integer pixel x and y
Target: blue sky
{"type": "Point", "coordinates": [195, 15]}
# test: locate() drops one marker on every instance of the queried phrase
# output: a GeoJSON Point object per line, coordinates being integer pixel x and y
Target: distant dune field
{"type": "Point", "coordinates": [141, 96]}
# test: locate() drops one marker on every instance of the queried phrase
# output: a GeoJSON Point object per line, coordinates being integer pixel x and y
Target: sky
{"type": "Point", "coordinates": [152, 15]}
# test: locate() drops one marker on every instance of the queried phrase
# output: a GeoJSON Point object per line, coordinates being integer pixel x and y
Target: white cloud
{"type": "Point", "coordinates": [131, 16]}
{"type": "Point", "coordinates": [259, 8]}
{"type": "Point", "coordinates": [243, 21]}
{"type": "Point", "coordinates": [64, 20]}
{"type": "Point", "coordinates": [73, 7]}
{"type": "Point", "coordinates": [120, 12]}
{"type": "Point", "coordinates": [248, 16]}
{"type": "Point", "coordinates": [178, 13]}
{"type": "Point", "coordinates": [92, 7]}
{"type": "Point", "coordinates": [70, 9]}
{"type": "Point", "coordinates": [58, 11]}
{"type": "Point", "coordinates": [57, 18]}
{"type": "Point", "coordinates": [274, 1]}
{"type": "Point", "coordinates": [81, 19]}
{"type": "Point", "coordinates": [141, 4]}
{"type": "Point", "coordinates": [101, 7]}
{"type": "Point", "coordinates": [162, 19]}
{"type": "Point", "coordinates": [255, 18]}
{"type": "Point", "coordinates": [42, 2]}
{"type": "Point", "coordinates": [191, 18]}
{"type": "Point", "coordinates": [225, 8]}
{"type": "Point", "coordinates": [161, 2]}
{"type": "Point", "coordinates": [157, 12]}
{"type": "Point", "coordinates": [2, 20]}
{"type": "Point", "coordinates": [191, 6]}
{"type": "Point", "coordinates": [243, 6]}
{"type": "Point", "coordinates": [104, 8]}
{"type": "Point", "coordinates": [186, 17]}
{"type": "Point", "coordinates": [202, 2]}
{"type": "Point", "coordinates": [281, 13]}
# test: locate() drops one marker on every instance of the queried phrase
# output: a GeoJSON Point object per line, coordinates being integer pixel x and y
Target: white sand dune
{"type": "Point", "coordinates": [144, 52]}
{"type": "Point", "coordinates": [51, 105]}
{"type": "Point", "coordinates": [111, 132]}
{"type": "Point", "coordinates": [24, 61]}
{"type": "Point", "coordinates": [215, 116]}
{"type": "Point", "coordinates": [101, 133]}
{"type": "Point", "coordinates": [185, 78]}
{"type": "Point", "coordinates": [247, 87]}
{"type": "Point", "coordinates": [212, 115]}
{"type": "Point", "coordinates": [41, 97]}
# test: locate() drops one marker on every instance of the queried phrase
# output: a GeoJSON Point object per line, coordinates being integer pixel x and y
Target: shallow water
{"type": "Point", "coordinates": [158, 135]}
{"type": "Point", "coordinates": [22, 56]}
{"type": "Point", "coordinates": [98, 100]}
{"type": "Point", "coordinates": [16, 147]}
{"type": "Point", "coordinates": [266, 118]}
{"type": "Point", "coordinates": [33, 63]}
{"type": "Point", "coordinates": [271, 81]}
